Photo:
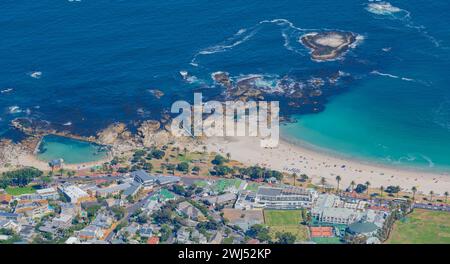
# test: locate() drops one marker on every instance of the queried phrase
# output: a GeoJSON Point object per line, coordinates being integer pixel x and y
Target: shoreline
{"type": "Point", "coordinates": [289, 157]}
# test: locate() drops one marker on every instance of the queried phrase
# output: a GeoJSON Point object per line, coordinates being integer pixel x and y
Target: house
{"type": "Point", "coordinates": [284, 197]}
{"type": "Point", "coordinates": [63, 221]}
{"type": "Point", "coordinates": [132, 190]}
{"type": "Point", "coordinates": [191, 211]}
{"type": "Point", "coordinates": [10, 225]}
{"type": "Point", "coordinates": [8, 216]}
{"type": "Point", "coordinates": [145, 232]}
{"type": "Point", "coordinates": [112, 190]}
{"type": "Point", "coordinates": [72, 240]}
{"type": "Point", "coordinates": [5, 198]}
{"type": "Point", "coordinates": [48, 194]}
{"type": "Point", "coordinates": [144, 178]}
{"type": "Point", "coordinates": [33, 209]}
{"type": "Point", "coordinates": [74, 193]}
{"type": "Point", "coordinates": [244, 219]}
{"type": "Point", "coordinates": [154, 240]}
{"type": "Point", "coordinates": [165, 180]}
{"type": "Point", "coordinates": [336, 215]}
{"type": "Point", "coordinates": [90, 232]}
{"type": "Point", "coordinates": [56, 164]}
{"type": "Point", "coordinates": [221, 199]}
{"type": "Point", "coordinates": [183, 236]}
{"type": "Point", "coordinates": [328, 208]}
{"type": "Point", "coordinates": [103, 221]}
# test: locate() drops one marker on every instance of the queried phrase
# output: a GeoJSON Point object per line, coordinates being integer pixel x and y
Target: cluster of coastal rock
{"type": "Point", "coordinates": [304, 95]}
{"type": "Point", "coordinates": [328, 45]}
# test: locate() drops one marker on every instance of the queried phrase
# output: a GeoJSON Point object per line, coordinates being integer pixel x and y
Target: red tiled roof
{"type": "Point", "coordinates": [153, 240]}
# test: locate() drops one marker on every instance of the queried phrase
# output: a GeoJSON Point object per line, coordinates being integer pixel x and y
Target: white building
{"type": "Point", "coordinates": [74, 193]}
{"type": "Point", "coordinates": [48, 193]}
{"type": "Point", "coordinates": [284, 197]}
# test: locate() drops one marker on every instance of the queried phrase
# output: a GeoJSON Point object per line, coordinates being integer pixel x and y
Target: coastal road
{"type": "Point", "coordinates": [88, 178]}
{"type": "Point", "coordinates": [432, 207]}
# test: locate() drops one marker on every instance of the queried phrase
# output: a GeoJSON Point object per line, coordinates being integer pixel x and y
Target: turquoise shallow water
{"type": "Point", "coordinates": [71, 150]}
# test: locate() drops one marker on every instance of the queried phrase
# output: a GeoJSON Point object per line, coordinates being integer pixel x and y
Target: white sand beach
{"type": "Point", "coordinates": [292, 158]}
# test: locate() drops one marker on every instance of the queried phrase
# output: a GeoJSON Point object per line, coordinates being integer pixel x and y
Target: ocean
{"type": "Point", "coordinates": [82, 65]}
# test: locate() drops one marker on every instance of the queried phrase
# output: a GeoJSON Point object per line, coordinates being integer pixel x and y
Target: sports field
{"type": "Point", "coordinates": [20, 190]}
{"type": "Point", "coordinates": [422, 227]}
{"type": "Point", "coordinates": [286, 221]}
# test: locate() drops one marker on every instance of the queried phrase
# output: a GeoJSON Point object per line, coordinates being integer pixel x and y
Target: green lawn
{"type": "Point", "coordinates": [20, 190]}
{"type": "Point", "coordinates": [285, 221]}
{"type": "Point", "coordinates": [282, 217]}
{"type": "Point", "coordinates": [327, 240]}
{"type": "Point", "coordinates": [422, 227]}
{"type": "Point", "coordinates": [223, 184]}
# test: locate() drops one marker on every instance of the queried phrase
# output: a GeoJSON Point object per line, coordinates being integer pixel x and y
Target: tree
{"type": "Point", "coordinates": [218, 160]}
{"type": "Point", "coordinates": [204, 149]}
{"type": "Point", "coordinates": [228, 156]}
{"type": "Point", "coordinates": [21, 177]}
{"type": "Point", "coordinates": [323, 181]}
{"type": "Point", "coordinates": [431, 196]}
{"type": "Point", "coordinates": [185, 151]}
{"type": "Point", "coordinates": [148, 166]}
{"type": "Point", "coordinates": [259, 232]}
{"type": "Point", "coordinates": [446, 196]}
{"type": "Point", "coordinates": [381, 191]}
{"type": "Point", "coordinates": [338, 180]}
{"type": "Point", "coordinates": [304, 177]}
{"type": "Point", "coordinates": [183, 167]}
{"type": "Point", "coordinates": [367, 185]}
{"type": "Point", "coordinates": [352, 185]}
{"type": "Point", "coordinates": [294, 175]}
{"type": "Point", "coordinates": [414, 190]}
{"type": "Point", "coordinates": [196, 169]}
{"type": "Point", "coordinates": [360, 188]}
{"type": "Point", "coordinates": [285, 238]}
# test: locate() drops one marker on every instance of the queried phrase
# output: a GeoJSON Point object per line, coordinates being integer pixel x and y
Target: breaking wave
{"type": "Point", "coordinates": [289, 32]}
{"type": "Point", "coordinates": [386, 10]}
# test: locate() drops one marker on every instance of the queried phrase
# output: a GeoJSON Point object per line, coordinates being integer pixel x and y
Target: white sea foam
{"type": "Point", "coordinates": [67, 124]}
{"type": "Point", "coordinates": [14, 109]}
{"type": "Point", "coordinates": [7, 90]}
{"type": "Point", "coordinates": [288, 31]}
{"type": "Point", "coordinates": [392, 76]}
{"type": "Point", "coordinates": [387, 10]}
{"type": "Point", "coordinates": [35, 74]}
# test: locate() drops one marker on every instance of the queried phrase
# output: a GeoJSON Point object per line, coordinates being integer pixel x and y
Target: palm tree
{"type": "Point", "coordinates": [185, 151]}
{"type": "Point", "coordinates": [381, 191]}
{"type": "Point", "coordinates": [367, 186]}
{"type": "Point", "coordinates": [352, 185]}
{"type": "Point", "coordinates": [177, 149]}
{"type": "Point", "coordinates": [338, 179]}
{"type": "Point", "coordinates": [446, 196]}
{"type": "Point", "coordinates": [204, 149]}
{"type": "Point", "coordinates": [431, 196]}
{"type": "Point", "coordinates": [323, 181]}
{"type": "Point", "coordinates": [398, 188]}
{"type": "Point", "coordinates": [294, 175]}
{"type": "Point", "coordinates": [228, 156]}
{"type": "Point", "coordinates": [414, 190]}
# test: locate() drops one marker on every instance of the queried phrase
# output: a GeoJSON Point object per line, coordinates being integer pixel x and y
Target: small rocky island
{"type": "Point", "coordinates": [328, 45]}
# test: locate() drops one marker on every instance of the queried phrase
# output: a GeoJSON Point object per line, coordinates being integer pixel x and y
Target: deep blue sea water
{"type": "Point", "coordinates": [83, 65]}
